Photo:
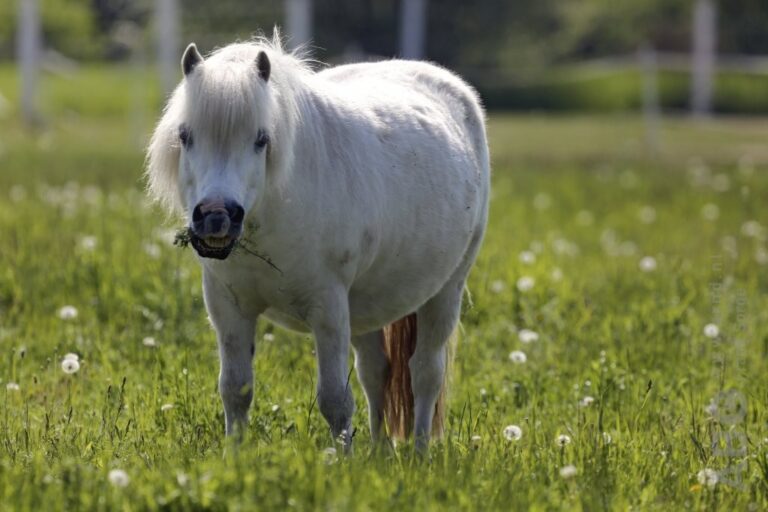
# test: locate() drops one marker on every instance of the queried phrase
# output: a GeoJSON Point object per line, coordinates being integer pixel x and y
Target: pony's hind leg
{"type": "Point", "coordinates": [436, 320]}
{"type": "Point", "coordinates": [372, 368]}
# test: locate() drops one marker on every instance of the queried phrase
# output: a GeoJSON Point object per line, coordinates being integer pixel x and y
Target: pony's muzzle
{"type": "Point", "coordinates": [216, 226]}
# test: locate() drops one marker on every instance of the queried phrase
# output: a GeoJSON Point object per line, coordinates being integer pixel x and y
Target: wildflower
{"type": "Point", "coordinates": [329, 455]}
{"type": "Point", "coordinates": [152, 250]}
{"type": "Point", "coordinates": [528, 336]}
{"type": "Point", "coordinates": [710, 212]}
{"type": "Point", "coordinates": [518, 357]}
{"type": "Point", "coordinates": [542, 201]}
{"type": "Point", "coordinates": [72, 355]}
{"type": "Point", "coordinates": [607, 439]}
{"type": "Point", "coordinates": [497, 286]}
{"type": "Point", "coordinates": [475, 441]}
{"type": "Point", "coordinates": [568, 471]}
{"type": "Point", "coordinates": [557, 274]}
{"type": "Point", "coordinates": [648, 264]}
{"type": "Point", "coordinates": [12, 386]}
{"type": "Point", "coordinates": [761, 256]}
{"type": "Point", "coordinates": [269, 337]}
{"type": "Point", "coordinates": [166, 407]}
{"type": "Point", "coordinates": [119, 478]}
{"type": "Point", "coordinates": [711, 331]}
{"type": "Point", "coordinates": [711, 408]}
{"type": "Point", "coordinates": [527, 257]}
{"type": "Point", "coordinates": [149, 341]}
{"type": "Point", "coordinates": [275, 408]}
{"type": "Point", "coordinates": [88, 243]}
{"type": "Point", "coordinates": [721, 183]}
{"type": "Point", "coordinates": [68, 312]}
{"type": "Point", "coordinates": [708, 477]}
{"type": "Point", "coordinates": [70, 366]}
{"type": "Point", "coordinates": [752, 229]}
{"type": "Point", "coordinates": [647, 214]}
{"type": "Point", "coordinates": [586, 401]}
{"type": "Point", "coordinates": [182, 478]}
{"type": "Point", "coordinates": [525, 283]}
{"type": "Point", "coordinates": [513, 433]}
{"type": "Point", "coordinates": [563, 440]}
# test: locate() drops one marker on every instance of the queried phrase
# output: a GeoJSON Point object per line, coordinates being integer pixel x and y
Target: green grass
{"type": "Point", "coordinates": [570, 190]}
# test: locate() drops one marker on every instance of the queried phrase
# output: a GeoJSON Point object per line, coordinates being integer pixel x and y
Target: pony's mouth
{"type": "Point", "coordinates": [213, 247]}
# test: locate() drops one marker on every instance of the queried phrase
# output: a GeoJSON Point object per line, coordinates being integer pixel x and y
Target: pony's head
{"type": "Point", "coordinates": [212, 154]}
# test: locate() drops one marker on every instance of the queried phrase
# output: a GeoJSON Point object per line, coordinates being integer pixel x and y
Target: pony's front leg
{"type": "Point", "coordinates": [235, 335]}
{"type": "Point", "coordinates": [329, 320]}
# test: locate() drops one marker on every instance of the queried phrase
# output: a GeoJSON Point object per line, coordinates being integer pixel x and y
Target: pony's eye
{"type": "Point", "coordinates": [262, 139]}
{"type": "Point", "coordinates": [185, 136]}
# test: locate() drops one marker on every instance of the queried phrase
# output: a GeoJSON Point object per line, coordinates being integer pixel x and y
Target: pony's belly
{"type": "Point", "coordinates": [287, 320]}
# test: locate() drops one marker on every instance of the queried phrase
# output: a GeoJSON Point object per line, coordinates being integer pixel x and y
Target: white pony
{"type": "Point", "coordinates": [355, 199]}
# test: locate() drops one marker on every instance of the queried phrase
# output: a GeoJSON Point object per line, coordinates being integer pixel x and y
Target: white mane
{"type": "Point", "coordinates": [225, 96]}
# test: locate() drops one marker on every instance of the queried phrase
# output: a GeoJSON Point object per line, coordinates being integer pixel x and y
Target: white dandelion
{"type": "Point", "coordinates": [710, 212]}
{"type": "Point", "coordinates": [72, 355]}
{"type": "Point", "coordinates": [708, 477]}
{"type": "Point", "coordinates": [752, 229]}
{"type": "Point", "coordinates": [513, 433]}
{"type": "Point", "coordinates": [586, 401]}
{"type": "Point", "coordinates": [527, 257]}
{"type": "Point", "coordinates": [149, 341]}
{"type": "Point", "coordinates": [68, 312]}
{"type": "Point", "coordinates": [329, 455]}
{"type": "Point", "coordinates": [527, 336]}
{"type": "Point", "coordinates": [518, 357]}
{"type": "Point", "coordinates": [563, 440]}
{"type": "Point", "coordinates": [12, 386]}
{"type": "Point", "coordinates": [475, 441]}
{"type": "Point", "coordinates": [88, 243]}
{"type": "Point", "coordinates": [607, 439]}
{"type": "Point", "coordinates": [70, 366]}
{"type": "Point", "coordinates": [269, 337]}
{"type": "Point", "coordinates": [761, 256]}
{"type": "Point", "coordinates": [568, 471]}
{"type": "Point", "coordinates": [647, 215]}
{"type": "Point", "coordinates": [648, 264]}
{"type": "Point", "coordinates": [166, 407]}
{"type": "Point", "coordinates": [542, 201]}
{"type": "Point", "coordinates": [525, 283]}
{"type": "Point", "coordinates": [497, 286]}
{"type": "Point", "coordinates": [557, 274]}
{"type": "Point", "coordinates": [711, 331]}
{"type": "Point", "coordinates": [275, 408]}
{"type": "Point", "coordinates": [118, 478]}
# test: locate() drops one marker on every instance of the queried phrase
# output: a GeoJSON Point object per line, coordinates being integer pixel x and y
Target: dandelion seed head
{"type": "Point", "coordinates": [497, 286]}
{"type": "Point", "coordinates": [88, 243]}
{"type": "Point", "coordinates": [708, 477]}
{"type": "Point", "coordinates": [647, 214]}
{"type": "Point", "coordinates": [68, 312]}
{"type": "Point", "coordinates": [119, 478]}
{"type": "Point", "coordinates": [269, 337]}
{"type": "Point", "coordinates": [329, 455]}
{"type": "Point", "coordinates": [648, 264]}
{"type": "Point", "coordinates": [563, 440]}
{"type": "Point", "coordinates": [512, 433]}
{"type": "Point", "coordinates": [70, 366]}
{"type": "Point", "coordinates": [525, 283]}
{"type": "Point", "coordinates": [518, 357]}
{"type": "Point", "coordinates": [710, 212]}
{"type": "Point", "coordinates": [542, 201]}
{"type": "Point", "coordinates": [527, 336]}
{"type": "Point", "coordinates": [607, 439]}
{"type": "Point", "coordinates": [149, 341]}
{"type": "Point", "coordinates": [568, 471]}
{"type": "Point", "coordinates": [72, 355]}
{"type": "Point", "coordinates": [711, 331]}
{"type": "Point", "coordinates": [527, 257]}
{"type": "Point", "coordinates": [586, 401]}
{"type": "Point", "coordinates": [12, 386]}
{"type": "Point", "coordinates": [166, 407]}
{"type": "Point", "coordinates": [585, 218]}
{"type": "Point", "coordinates": [475, 441]}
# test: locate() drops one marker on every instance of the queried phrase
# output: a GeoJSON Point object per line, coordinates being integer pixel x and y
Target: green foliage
{"type": "Point", "coordinates": [581, 194]}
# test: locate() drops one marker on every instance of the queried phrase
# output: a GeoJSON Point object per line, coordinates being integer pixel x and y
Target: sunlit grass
{"type": "Point", "coordinates": [616, 354]}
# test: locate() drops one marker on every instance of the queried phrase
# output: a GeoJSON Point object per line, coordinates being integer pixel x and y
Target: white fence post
{"type": "Point", "coordinates": [168, 53]}
{"type": "Point", "coordinates": [704, 47]}
{"type": "Point", "coordinates": [298, 22]}
{"type": "Point", "coordinates": [28, 54]}
{"type": "Point", "coordinates": [413, 28]}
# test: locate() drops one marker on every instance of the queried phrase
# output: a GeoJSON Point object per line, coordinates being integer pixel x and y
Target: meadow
{"type": "Point", "coordinates": [617, 317]}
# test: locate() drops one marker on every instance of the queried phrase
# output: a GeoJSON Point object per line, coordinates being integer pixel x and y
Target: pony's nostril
{"type": "Point", "coordinates": [236, 213]}
{"type": "Point", "coordinates": [197, 214]}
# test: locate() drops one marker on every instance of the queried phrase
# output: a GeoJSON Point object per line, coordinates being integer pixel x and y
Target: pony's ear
{"type": "Point", "coordinates": [263, 65]}
{"type": "Point", "coordinates": [191, 59]}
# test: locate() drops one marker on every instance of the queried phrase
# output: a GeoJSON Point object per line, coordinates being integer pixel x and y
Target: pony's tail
{"type": "Point", "coordinates": [399, 345]}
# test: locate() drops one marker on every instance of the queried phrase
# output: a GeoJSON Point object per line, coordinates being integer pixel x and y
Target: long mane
{"type": "Point", "coordinates": [227, 97]}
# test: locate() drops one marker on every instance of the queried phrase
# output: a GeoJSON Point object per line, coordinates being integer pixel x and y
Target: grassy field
{"type": "Point", "coordinates": [616, 260]}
